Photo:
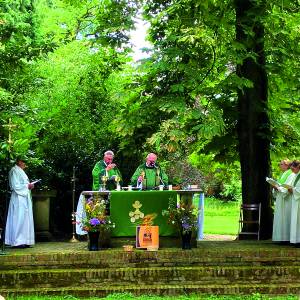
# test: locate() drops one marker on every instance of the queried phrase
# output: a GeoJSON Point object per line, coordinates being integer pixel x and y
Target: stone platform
{"type": "Point", "coordinates": [214, 267]}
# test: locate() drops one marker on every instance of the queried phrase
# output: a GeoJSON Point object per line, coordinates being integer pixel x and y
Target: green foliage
{"type": "Point", "coordinates": [219, 179]}
{"type": "Point", "coordinates": [184, 95]}
{"type": "Point", "coordinates": [282, 44]}
{"type": "Point", "coordinates": [184, 73]}
{"type": "Point", "coordinates": [232, 190]}
{"type": "Point", "coordinates": [182, 172]}
{"type": "Point", "coordinates": [169, 83]}
{"type": "Point", "coordinates": [20, 42]}
{"type": "Point", "coordinates": [59, 101]}
{"type": "Point", "coordinates": [19, 47]}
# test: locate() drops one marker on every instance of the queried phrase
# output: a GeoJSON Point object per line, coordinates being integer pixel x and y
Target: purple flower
{"type": "Point", "coordinates": [94, 222]}
{"type": "Point", "coordinates": [186, 226]}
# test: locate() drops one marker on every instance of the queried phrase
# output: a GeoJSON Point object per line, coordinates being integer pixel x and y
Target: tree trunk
{"type": "Point", "coordinates": [253, 122]}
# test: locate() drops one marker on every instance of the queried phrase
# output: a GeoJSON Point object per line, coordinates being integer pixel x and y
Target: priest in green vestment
{"type": "Point", "coordinates": [149, 174]}
{"type": "Point", "coordinates": [106, 168]}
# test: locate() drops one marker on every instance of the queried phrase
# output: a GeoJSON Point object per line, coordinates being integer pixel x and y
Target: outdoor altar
{"type": "Point", "coordinates": [127, 209]}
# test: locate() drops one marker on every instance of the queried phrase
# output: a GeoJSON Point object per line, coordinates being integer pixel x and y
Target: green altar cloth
{"type": "Point", "coordinates": [126, 217]}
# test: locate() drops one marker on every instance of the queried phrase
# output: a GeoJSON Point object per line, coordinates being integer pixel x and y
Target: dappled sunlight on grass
{"type": "Point", "coordinates": [227, 225]}
{"type": "Point", "coordinates": [221, 217]}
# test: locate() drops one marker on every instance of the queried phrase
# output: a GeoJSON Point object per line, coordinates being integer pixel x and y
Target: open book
{"type": "Point", "coordinates": [35, 181]}
{"type": "Point", "coordinates": [275, 183]}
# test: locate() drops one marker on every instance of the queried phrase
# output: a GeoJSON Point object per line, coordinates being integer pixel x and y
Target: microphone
{"type": "Point", "coordinates": [152, 165]}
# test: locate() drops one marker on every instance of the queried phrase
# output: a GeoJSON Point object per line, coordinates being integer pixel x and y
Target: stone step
{"type": "Point", "coordinates": [100, 290]}
{"type": "Point", "coordinates": [112, 258]}
{"type": "Point", "coordinates": [212, 268]}
{"type": "Point", "coordinates": [167, 275]}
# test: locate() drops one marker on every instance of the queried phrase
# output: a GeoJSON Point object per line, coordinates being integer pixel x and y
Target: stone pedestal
{"type": "Point", "coordinates": [41, 214]}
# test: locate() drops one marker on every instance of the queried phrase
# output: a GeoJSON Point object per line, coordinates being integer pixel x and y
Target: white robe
{"type": "Point", "coordinates": [19, 228]}
{"type": "Point", "coordinates": [80, 214]}
{"type": "Point", "coordinates": [295, 221]}
{"type": "Point", "coordinates": [282, 212]}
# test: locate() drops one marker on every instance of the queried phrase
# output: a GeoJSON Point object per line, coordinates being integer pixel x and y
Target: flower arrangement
{"type": "Point", "coordinates": [96, 218]}
{"type": "Point", "coordinates": [182, 215]}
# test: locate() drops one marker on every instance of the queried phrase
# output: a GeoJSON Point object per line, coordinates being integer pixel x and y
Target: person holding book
{"type": "Point", "coordinates": [294, 191]}
{"type": "Point", "coordinates": [283, 203]}
{"type": "Point", "coordinates": [19, 230]}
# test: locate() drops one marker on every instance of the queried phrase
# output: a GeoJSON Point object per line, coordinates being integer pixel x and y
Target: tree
{"type": "Point", "coordinates": [253, 121]}
{"type": "Point", "coordinates": [19, 46]}
{"type": "Point", "coordinates": [60, 27]}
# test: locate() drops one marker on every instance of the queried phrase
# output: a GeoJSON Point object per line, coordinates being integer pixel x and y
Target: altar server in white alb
{"type": "Point", "coordinates": [283, 204]}
{"type": "Point", "coordinates": [295, 192]}
{"type": "Point", "coordinates": [19, 230]}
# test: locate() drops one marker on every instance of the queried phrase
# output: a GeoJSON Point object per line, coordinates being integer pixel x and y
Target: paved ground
{"type": "Point", "coordinates": [210, 241]}
{"type": "Point", "coordinates": [219, 237]}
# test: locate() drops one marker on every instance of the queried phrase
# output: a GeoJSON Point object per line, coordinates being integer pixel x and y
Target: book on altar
{"type": "Point", "coordinates": [275, 183]}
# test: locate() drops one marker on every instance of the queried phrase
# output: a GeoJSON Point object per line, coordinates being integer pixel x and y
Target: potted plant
{"type": "Point", "coordinates": [184, 216]}
{"type": "Point", "coordinates": [96, 223]}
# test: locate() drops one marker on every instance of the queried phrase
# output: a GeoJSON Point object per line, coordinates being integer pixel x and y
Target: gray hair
{"type": "Point", "coordinates": [108, 152]}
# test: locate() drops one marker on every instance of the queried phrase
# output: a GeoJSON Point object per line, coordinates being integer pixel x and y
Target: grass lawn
{"type": "Point", "coordinates": [227, 225]}
{"type": "Point", "coordinates": [125, 296]}
{"type": "Point", "coordinates": [221, 217]}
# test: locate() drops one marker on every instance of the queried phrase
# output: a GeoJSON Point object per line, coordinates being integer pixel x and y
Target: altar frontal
{"type": "Point", "coordinates": [129, 208]}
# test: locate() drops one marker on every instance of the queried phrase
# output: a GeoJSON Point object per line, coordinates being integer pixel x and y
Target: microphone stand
{"type": "Point", "coordinates": [73, 182]}
{"type": "Point", "coordinates": [158, 174]}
